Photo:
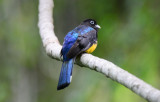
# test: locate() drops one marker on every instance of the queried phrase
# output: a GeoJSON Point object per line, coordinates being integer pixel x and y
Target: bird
{"type": "Point", "coordinates": [82, 39]}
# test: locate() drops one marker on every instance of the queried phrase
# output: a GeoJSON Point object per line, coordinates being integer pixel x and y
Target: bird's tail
{"type": "Point", "coordinates": [66, 74]}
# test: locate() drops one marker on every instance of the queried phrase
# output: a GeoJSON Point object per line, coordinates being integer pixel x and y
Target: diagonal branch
{"type": "Point", "coordinates": [52, 47]}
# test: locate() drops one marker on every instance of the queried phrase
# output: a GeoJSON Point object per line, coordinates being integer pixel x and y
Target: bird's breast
{"type": "Point", "coordinates": [92, 48]}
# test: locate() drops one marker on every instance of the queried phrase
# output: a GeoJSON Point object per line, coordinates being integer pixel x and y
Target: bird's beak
{"type": "Point", "coordinates": [97, 26]}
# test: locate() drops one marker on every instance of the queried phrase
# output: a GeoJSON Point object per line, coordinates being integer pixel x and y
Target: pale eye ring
{"type": "Point", "coordinates": [91, 22]}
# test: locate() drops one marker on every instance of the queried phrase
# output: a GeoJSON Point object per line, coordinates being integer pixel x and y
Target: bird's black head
{"type": "Point", "coordinates": [92, 23]}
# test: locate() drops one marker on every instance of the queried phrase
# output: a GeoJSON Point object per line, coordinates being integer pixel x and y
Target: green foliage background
{"type": "Point", "coordinates": [130, 38]}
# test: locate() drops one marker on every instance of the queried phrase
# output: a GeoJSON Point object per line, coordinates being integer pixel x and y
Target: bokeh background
{"type": "Point", "coordinates": [129, 37]}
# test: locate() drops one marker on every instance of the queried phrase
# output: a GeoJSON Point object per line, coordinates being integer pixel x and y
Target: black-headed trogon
{"type": "Point", "coordinates": [81, 39]}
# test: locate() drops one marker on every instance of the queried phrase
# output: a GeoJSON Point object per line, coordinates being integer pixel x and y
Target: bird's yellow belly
{"type": "Point", "coordinates": [92, 48]}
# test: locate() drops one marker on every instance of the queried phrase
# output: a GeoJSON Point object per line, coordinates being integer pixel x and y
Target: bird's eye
{"type": "Point", "coordinates": [91, 22]}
